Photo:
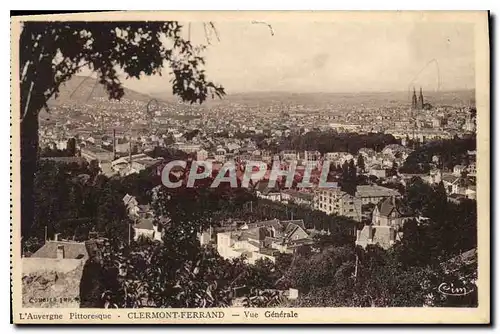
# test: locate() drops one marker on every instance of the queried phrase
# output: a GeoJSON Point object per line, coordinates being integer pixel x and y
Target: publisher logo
{"type": "Point", "coordinates": [455, 289]}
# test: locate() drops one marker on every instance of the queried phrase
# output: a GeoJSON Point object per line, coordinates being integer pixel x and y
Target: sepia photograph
{"type": "Point", "coordinates": [250, 167]}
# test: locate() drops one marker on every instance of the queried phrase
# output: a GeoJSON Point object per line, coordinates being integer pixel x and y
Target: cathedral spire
{"type": "Point", "coordinates": [420, 105]}
{"type": "Point", "coordinates": [414, 100]}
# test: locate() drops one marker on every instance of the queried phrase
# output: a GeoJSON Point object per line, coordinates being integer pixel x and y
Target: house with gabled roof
{"type": "Point", "coordinates": [150, 228]}
{"type": "Point", "coordinates": [388, 218]}
{"type": "Point", "coordinates": [55, 249]}
{"type": "Point", "coordinates": [451, 183]}
{"type": "Point", "coordinates": [263, 239]}
{"type": "Point", "coordinates": [54, 270]}
{"type": "Point", "coordinates": [374, 193]}
{"type": "Point", "coordinates": [391, 212]}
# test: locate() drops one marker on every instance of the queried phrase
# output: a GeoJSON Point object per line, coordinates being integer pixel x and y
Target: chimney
{"type": "Point", "coordinates": [114, 144]}
{"type": "Point", "coordinates": [60, 252]}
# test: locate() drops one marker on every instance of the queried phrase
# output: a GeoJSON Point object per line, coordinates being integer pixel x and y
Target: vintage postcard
{"type": "Point", "coordinates": [250, 167]}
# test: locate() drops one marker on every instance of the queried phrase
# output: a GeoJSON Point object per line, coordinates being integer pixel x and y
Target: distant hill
{"type": "Point", "coordinates": [81, 89]}
{"type": "Point", "coordinates": [367, 98]}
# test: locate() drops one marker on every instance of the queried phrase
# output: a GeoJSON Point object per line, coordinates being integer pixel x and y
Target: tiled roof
{"type": "Point", "coordinates": [72, 250]}
{"type": "Point", "coordinates": [273, 222]}
{"type": "Point", "coordinates": [375, 191]}
{"type": "Point", "coordinates": [145, 224]}
{"type": "Point", "coordinates": [298, 222]}
{"type": "Point", "coordinates": [68, 160]}
{"type": "Point", "coordinates": [258, 233]}
{"type": "Point", "coordinates": [388, 205]}
{"type": "Point", "coordinates": [450, 178]}
{"type": "Point", "coordinates": [290, 229]}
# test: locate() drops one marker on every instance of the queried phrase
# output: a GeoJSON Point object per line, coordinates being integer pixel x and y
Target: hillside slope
{"type": "Point", "coordinates": [81, 89]}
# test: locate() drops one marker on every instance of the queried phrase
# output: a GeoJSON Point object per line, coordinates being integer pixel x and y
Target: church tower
{"type": "Point", "coordinates": [414, 100]}
{"type": "Point", "coordinates": [420, 104]}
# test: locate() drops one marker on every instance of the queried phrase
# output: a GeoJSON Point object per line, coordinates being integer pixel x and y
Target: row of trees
{"type": "Point", "coordinates": [322, 141]}
{"type": "Point", "coordinates": [332, 141]}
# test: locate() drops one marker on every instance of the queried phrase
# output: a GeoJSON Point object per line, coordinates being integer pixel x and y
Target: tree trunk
{"type": "Point", "coordinates": [29, 153]}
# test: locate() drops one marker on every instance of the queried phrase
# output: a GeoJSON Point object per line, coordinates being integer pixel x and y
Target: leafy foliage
{"type": "Point", "coordinates": [181, 273]}
{"type": "Point", "coordinates": [52, 52]}
{"type": "Point", "coordinates": [71, 202]}
{"type": "Point", "coordinates": [378, 281]}
{"type": "Point", "coordinates": [451, 152]}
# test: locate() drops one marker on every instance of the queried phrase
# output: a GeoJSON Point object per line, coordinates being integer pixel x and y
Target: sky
{"type": "Point", "coordinates": [361, 56]}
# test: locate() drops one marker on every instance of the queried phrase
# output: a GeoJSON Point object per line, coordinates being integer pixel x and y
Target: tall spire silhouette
{"type": "Point", "coordinates": [414, 100]}
{"type": "Point", "coordinates": [420, 104]}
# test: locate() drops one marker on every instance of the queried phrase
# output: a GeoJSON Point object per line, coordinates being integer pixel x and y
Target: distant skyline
{"type": "Point", "coordinates": [332, 57]}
